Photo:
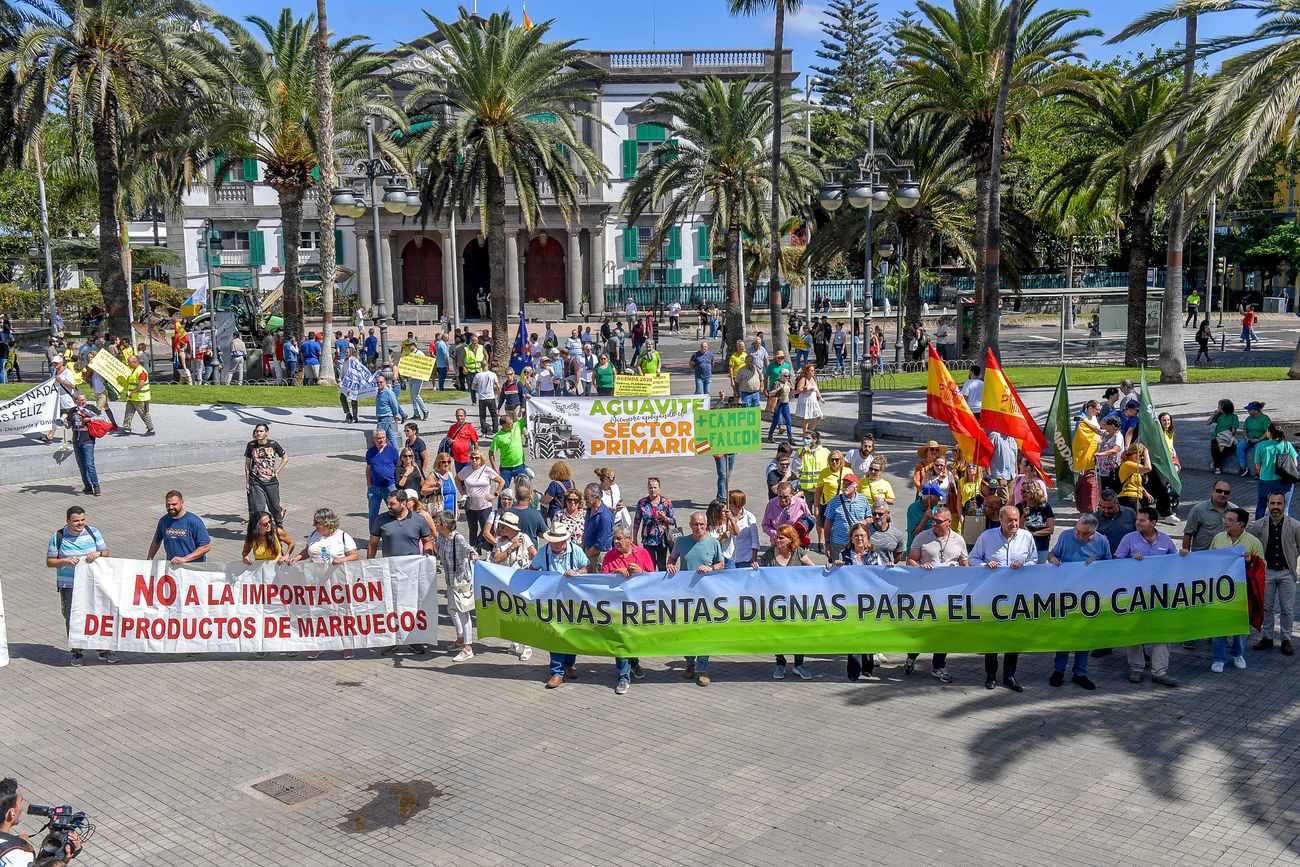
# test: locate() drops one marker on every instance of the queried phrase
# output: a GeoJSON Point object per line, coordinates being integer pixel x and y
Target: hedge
{"type": "Point", "coordinates": [31, 303]}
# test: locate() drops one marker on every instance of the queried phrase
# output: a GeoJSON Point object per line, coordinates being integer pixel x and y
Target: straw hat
{"type": "Point", "coordinates": [509, 519]}
{"type": "Point", "coordinates": [922, 451]}
{"type": "Point", "coordinates": [556, 533]}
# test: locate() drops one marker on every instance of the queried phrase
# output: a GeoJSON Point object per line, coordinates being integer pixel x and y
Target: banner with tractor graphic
{"type": "Point", "coordinates": [572, 428]}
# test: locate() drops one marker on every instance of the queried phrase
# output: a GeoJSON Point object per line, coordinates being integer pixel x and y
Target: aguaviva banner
{"type": "Point", "coordinates": [154, 607]}
{"type": "Point", "coordinates": [33, 411]}
{"type": "Point", "coordinates": [612, 427]}
{"type": "Point", "coordinates": [859, 609]}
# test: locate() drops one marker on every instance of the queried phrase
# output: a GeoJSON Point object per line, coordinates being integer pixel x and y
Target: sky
{"type": "Point", "coordinates": [680, 24]}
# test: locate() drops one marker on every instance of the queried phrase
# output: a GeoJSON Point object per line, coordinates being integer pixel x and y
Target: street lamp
{"type": "Point", "coordinates": [398, 199]}
{"type": "Point", "coordinates": [870, 194]}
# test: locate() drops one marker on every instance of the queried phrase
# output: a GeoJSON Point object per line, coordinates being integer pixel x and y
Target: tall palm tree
{"type": "Point", "coordinates": [495, 78]}
{"type": "Point", "coordinates": [716, 162]}
{"type": "Point", "coordinates": [1103, 124]}
{"type": "Point", "coordinates": [111, 63]}
{"type": "Point", "coordinates": [273, 115]}
{"type": "Point", "coordinates": [781, 7]}
{"type": "Point", "coordinates": [325, 143]}
{"type": "Point", "coordinates": [951, 66]}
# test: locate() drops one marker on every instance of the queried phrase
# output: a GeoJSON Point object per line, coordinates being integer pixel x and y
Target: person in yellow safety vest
{"type": "Point", "coordinates": [475, 360]}
{"type": "Point", "coordinates": [137, 397]}
{"type": "Point", "coordinates": [813, 460]}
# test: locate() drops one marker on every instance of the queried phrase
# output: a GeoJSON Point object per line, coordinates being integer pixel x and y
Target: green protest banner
{"type": "Point", "coordinates": [728, 431]}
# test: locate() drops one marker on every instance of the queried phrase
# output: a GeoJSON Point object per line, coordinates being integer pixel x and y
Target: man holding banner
{"type": "Point", "coordinates": [1148, 541]}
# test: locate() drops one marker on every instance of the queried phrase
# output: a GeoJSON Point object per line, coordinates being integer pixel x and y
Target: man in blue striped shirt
{"type": "Point", "coordinates": [71, 544]}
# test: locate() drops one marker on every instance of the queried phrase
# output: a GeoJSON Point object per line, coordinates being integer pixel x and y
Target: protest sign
{"type": "Point", "coordinates": [626, 385]}
{"type": "Point", "coordinates": [4, 641]}
{"type": "Point", "coordinates": [570, 428]}
{"type": "Point", "coordinates": [807, 609]}
{"type": "Point", "coordinates": [111, 368]}
{"type": "Point", "coordinates": [155, 607]}
{"type": "Point", "coordinates": [728, 431]}
{"type": "Point", "coordinates": [33, 411]}
{"type": "Point", "coordinates": [357, 381]}
{"type": "Point", "coordinates": [414, 366]}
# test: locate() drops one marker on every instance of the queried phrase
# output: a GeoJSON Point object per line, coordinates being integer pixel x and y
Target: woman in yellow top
{"type": "Point", "coordinates": [831, 479]}
{"type": "Point", "coordinates": [874, 486]}
{"type": "Point", "coordinates": [1135, 463]}
{"type": "Point", "coordinates": [265, 541]}
{"type": "Point", "coordinates": [970, 496]}
{"type": "Point", "coordinates": [735, 362]}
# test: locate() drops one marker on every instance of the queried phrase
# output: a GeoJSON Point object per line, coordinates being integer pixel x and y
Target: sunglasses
{"type": "Point", "coordinates": [879, 514]}
{"type": "Point", "coordinates": [1222, 491]}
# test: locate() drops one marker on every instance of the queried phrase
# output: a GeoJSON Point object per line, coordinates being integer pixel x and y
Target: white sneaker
{"type": "Point", "coordinates": [881, 659]}
{"type": "Point", "coordinates": [1216, 667]}
{"type": "Point", "coordinates": [466, 653]}
{"type": "Point", "coordinates": [526, 655]}
{"type": "Point", "coordinates": [1239, 661]}
{"type": "Point", "coordinates": [516, 648]}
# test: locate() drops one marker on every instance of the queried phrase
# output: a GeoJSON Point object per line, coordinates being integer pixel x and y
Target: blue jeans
{"type": "Point", "coordinates": [1266, 489]}
{"type": "Point", "coordinates": [749, 398]}
{"type": "Point", "coordinates": [442, 379]}
{"type": "Point", "coordinates": [1080, 662]}
{"type": "Point", "coordinates": [1245, 449]}
{"type": "Point", "coordinates": [559, 661]}
{"type": "Point", "coordinates": [725, 465]}
{"type": "Point", "coordinates": [623, 665]}
{"type": "Point", "coordinates": [85, 453]}
{"type": "Point", "coordinates": [290, 370]}
{"type": "Point", "coordinates": [385, 423]}
{"type": "Point", "coordinates": [701, 663]}
{"type": "Point", "coordinates": [702, 384]}
{"type": "Point", "coordinates": [800, 357]}
{"type": "Point", "coordinates": [418, 408]}
{"type": "Point", "coordinates": [376, 499]}
{"type": "Point", "coordinates": [839, 357]}
{"type": "Point", "coordinates": [4, 364]}
{"type": "Point", "coordinates": [782, 412]}
{"type": "Point", "coordinates": [1219, 647]}
{"type": "Point", "coordinates": [509, 473]}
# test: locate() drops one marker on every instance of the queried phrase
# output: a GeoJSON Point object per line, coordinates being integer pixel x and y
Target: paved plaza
{"type": "Point", "coordinates": [419, 761]}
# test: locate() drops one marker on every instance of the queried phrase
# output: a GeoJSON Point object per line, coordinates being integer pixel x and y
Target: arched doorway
{"type": "Point", "coordinates": [477, 278]}
{"type": "Point", "coordinates": [544, 270]}
{"type": "Point", "coordinates": [422, 272]}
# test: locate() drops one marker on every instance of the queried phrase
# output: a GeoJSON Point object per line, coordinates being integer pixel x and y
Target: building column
{"type": "Point", "coordinates": [448, 275]}
{"type": "Point", "coordinates": [596, 269]}
{"type": "Point", "coordinates": [386, 271]}
{"type": "Point", "coordinates": [364, 297]}
{"type": "Point", "coordinates": [574, 282]}
{"type": "Point", "coordinates": [399, 244]}
{"type": "Point", "coordinates": [514, 268]}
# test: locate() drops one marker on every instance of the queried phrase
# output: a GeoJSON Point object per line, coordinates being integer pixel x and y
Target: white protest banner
{"type": "Point", "coordinates": [612, 427]}
{"type": "Point", "coordinates": [4, 641]}
{"type": "Point", "coordinates": [357, 381]}
{"type": "Point", "coordinates": [154, 607]}
{"type": "Point", "coordinates": [33, 411]}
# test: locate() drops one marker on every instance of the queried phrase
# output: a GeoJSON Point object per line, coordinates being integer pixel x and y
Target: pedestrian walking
{"type": "Point", "coordinates": [262, 473]}
{"type": "Point", "coordinates": [137, 398]}
{"type": "Point", "coordinates": [83, 443]}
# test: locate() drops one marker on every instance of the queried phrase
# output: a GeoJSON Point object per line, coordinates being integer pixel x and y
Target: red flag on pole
{"type": "Point", "coordinates": [944, 402]}
{"type": "Point", "coordinates": [1004, 412]}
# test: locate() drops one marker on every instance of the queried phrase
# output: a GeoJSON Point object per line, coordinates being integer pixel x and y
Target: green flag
{"type": "Point", "coordinates": [1058, 433]}
{"type": "Point", "coordinates": [1151, 436]}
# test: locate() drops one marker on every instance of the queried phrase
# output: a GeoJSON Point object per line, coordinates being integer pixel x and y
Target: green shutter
{"type": "Point", "coordinates": [629, 158]}
{"type": "Point", "coordinates": [704, 275]}
{"type": "Point", "coordinates": [215, 260]}
{"type": "Point", "coordinates": [631, 277]}
{"type": "Point", "coordinates": [651, 132]}
{"type": "Point", "coordinates": [250, 169]}
{"type": "Point", "coordinates": [338, 246]}
{"type": "Point", "coordinates": [672, 143]}
{"type": "Point", "coordinates": [631, 244]}
{"type": "Point", "coordinates": [702, 251]}
{"type": "Point", "coordinates": [674, 277]}
{"type": "Point", "coordinates": [256, 248]}
{"type": "Point", "coordinates": [673, 251]}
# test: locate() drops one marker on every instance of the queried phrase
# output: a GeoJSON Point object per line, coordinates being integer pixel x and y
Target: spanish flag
{"type": "Point", "coordinates": [528, 22]}
{"type": "Point", "coordinates": [943, 402]}
{"type": "Point", "coordinates": [1003, 411]}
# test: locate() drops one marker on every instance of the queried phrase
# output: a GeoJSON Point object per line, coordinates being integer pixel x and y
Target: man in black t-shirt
{"type": "Point", "coordinates": [417, 447]}
{"type": "Point", "coordinates": [262, 475]}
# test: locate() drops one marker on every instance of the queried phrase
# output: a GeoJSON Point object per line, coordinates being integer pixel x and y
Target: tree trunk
{"type": "Point", "coordinates": [291, 223]}
{"type": "Point", "coordinates": [735, 318]}
{"type": "Point", "coordinates": [1294, 372]}
{"type": "Point", "coordinates": [779, 338]}
{"type": "Point", "coordinates": [1139, 259]}
{"type": "Point", "coordinates": [325, 135]}
{"type": "Point", "coordinates": [495, 190]}
{"type": "Point", "coordinates": [112, 279]}
{"type": "Point", "coordinates": [914, 241]}
{"type": "Point", "coordinates": [124, 240]}
{"type": "Point", "coordinates": [993, 245]}
{"type": "Point", "coordinates": [1173, 357]}
{"type": "Point", "coordinates": [975, 336]}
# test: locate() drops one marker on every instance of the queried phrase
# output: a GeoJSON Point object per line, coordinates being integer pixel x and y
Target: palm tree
{"type": "Point", "coordinates": [952, 67]}
{"type": "Point", "coordinates": [1104, 124]}
{"type": "Point", "coordinates": [111, 63]}
{"type": "Point", "coordinates": [715, 161]}
{"type": "Point", "coordinates": [495, 79]}
{"type": "Point", "coordinates": [325, 142]}
{"type": "Point", "coordinates": [781, 7]}
{"type": "Point", "coordinates": [273, 117]}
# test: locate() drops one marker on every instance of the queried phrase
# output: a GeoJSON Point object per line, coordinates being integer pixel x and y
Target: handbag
{"type": "Point", "coordinates": [98, 427]}
{"type": "Point", "coordinates": [1284, 464]}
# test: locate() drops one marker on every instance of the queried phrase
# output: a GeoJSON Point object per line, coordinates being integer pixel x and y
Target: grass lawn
{"type": "Point", "coordinates": [251, 395]}
{"type": "Point", "coordinates": [1028, 377]}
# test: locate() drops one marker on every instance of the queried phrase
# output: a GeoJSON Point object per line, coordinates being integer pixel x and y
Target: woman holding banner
{"type": "Point", "coordinates": [860, 552]}
{"type": "Point", "coordinates": [785, 551]}
{"type": "Point", "coordinates": [654, 521]}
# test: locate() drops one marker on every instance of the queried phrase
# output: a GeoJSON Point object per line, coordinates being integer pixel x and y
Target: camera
{"type": "Point", "coordinates": [61, 822]}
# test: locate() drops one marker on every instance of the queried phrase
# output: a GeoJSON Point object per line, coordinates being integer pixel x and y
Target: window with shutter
{"type": "Point", "coordinates": [250, 169]}
{"type": "Point", "coordinates": [631, 277]}
{"type": "Point", "coordinates": [673, 249]}
{"type": "Point", "coordinates": [651, 132]}
{"type": "Point", "coordinates": [256, 248]}
{"type": "Point", "coordinates": [673, 277]}
{"type": "Point", "coordinates": [631, 244]}
{"type": "Point", "coordinates": [672, 143]}
{"type": "Point", "coordinates": [630, 157]}
{"type": "Point", "coordinates": [338, 246]}
{"type": "Point", "coordinates": [704, 275]}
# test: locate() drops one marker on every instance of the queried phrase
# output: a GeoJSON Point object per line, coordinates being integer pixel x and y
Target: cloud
{"type": "Point", "coordinates": [806, 22]}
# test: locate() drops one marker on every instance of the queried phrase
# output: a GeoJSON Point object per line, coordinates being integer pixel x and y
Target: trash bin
{"type": "Point", "coordinates": [1274, 305]}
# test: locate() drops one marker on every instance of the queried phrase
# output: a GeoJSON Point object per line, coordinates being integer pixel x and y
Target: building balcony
{"type": "Point", "coordinates": [705, 62]}
{"type": "Point", "coordinates": [231, 194]}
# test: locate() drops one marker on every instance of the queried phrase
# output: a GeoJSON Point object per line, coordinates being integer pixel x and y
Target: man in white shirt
{"type": "Point", "coordinates": [1005, 545]}
{"type": "Point", "coordinates": [487, 389]}
{"type": "Point", "coordinates": [630, 311]}
{"type": "Point", "coordinates": [973, 390]}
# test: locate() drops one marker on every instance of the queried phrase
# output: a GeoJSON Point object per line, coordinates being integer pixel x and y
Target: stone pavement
{"type": "Point", "coordinates": [418, 761]}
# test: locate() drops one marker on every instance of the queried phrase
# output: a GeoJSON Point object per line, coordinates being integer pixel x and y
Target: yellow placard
{"type": "Point", "coordinates": [414, 366]}
{"type": "Point", "coordinates": [659, 385]}
{"type": "Point", "coordinates": [797, 342]}
{"type": "Point", "coordinates": [109, 366]}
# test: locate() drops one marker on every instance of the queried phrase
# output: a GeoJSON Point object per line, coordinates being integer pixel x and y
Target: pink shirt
{"type": "Point", "coordinates": [776, 515]}
{"type": "Point", "coordinates": [638, 557]}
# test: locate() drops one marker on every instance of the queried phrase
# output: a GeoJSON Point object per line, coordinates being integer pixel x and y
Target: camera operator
{"type": "Point", "coordinates": [15, 851]}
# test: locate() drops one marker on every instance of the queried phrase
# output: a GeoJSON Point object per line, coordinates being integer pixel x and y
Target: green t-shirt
{"type": "Point", "coordinates": [693, 554]}
{"type": "Point", "coordinates": [510, 445]}
{"type": "Point", "coordinates": [650, 363]}
{"type": "Point", "coordinates": [773, 372]}
{"type": "Point", "coordinates": [1224, 421]}
{"type": "Point", "coordinates": [1255, 425]}
{"type": "Point", "coordinates": [1266, 454]}
{"type": "Point", "coordinates": [605, 376]}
